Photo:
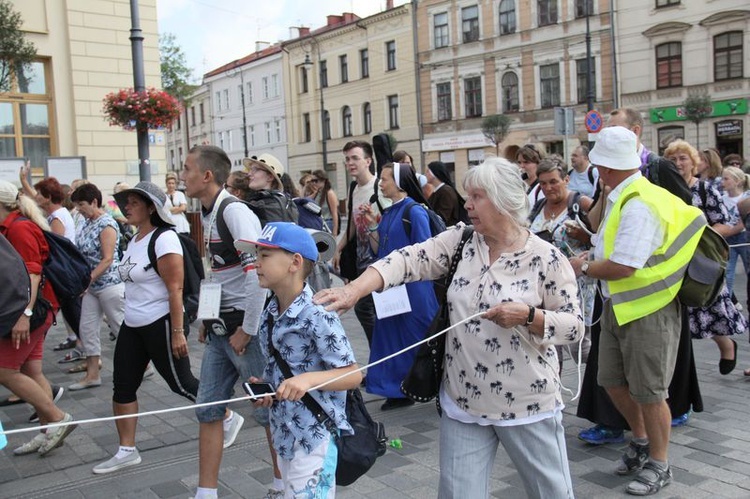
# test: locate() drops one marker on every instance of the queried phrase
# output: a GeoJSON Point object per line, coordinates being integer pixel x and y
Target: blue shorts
{"type": "Point", "coordinates": [220, 370]}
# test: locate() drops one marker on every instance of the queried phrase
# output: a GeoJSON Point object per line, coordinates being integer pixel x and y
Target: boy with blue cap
{"type": "Point", "coordinates": [313, 344]}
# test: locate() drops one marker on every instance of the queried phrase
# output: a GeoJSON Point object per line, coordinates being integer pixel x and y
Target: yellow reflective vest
{"type": "Point", "coordinates": [655, 285]}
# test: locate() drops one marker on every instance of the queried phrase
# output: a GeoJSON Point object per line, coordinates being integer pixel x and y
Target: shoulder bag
{"type": "Point", "coordinates": [422, 383]}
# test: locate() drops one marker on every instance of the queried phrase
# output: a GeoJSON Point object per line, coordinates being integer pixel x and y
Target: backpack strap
{"type": "Point", "coordinates": [349, 206]}
{"type": "Point", "coordinates": [590, 172]}
{"type": "Point", "coordinates": [702, 193]}
{"type": "Point", "coordinates": [538, 206]}
{"type": "Point", "coordinates": [152, 249]}
{"type": "Point", "coordinates": [406, 217]}
{"type": "Point", "coordinates": [574, 206]}
{"type": "Point", "coordinates": [221, 224]}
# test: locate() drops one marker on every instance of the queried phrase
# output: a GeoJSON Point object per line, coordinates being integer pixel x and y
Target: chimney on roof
{"type": "Point", "coordinates": [349, 17]}
{"type": "Point", "coordinates": [303, 31]}
{"type": "Point", "coordinates": [388, 4]}
{"type": "Point", "coordinates": [261, 45]}
{"type": "Point", "coordinates": [333, 20]}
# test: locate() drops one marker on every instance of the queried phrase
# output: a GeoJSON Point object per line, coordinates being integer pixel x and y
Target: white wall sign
{"type": "Point", "coordinates": [9, 168]}
{"type": "Point", "coordinates": [456, 142]}
{"type": "Point", "coordinates": [65, 169]}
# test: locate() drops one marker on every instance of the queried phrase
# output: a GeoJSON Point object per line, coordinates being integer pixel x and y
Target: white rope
{"type": "Point", "coordinates": [317, 387]}
{"type": "Point", "coordinates": [238, 399]}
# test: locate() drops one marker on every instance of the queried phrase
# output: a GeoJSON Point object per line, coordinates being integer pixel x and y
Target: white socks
{"type": "Point", "coordinates": [124, 452]}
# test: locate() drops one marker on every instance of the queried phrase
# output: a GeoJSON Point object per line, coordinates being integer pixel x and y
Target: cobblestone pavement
{"type": "Point", "coordinates": [710, 456]}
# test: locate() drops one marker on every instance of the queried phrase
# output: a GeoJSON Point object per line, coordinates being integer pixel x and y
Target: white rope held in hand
{"type": "Point", "coordinates": [237, 399]}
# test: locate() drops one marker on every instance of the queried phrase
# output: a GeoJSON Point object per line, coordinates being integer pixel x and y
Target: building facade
{"type": "Point", "coordinates": [674, 49]}
{"type": "Point", "coordinates": [84, 53]}
{"type": "Point", "coordinates": [350, 80]}
{"type": "Point", "coordinates": [194, 127]}
{"type": "Point", "coordinates": [513, 57]}
{"type": "Point", "coordinates": [247, 102]}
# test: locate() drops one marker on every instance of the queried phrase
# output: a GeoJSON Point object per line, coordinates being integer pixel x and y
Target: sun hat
{"type": "Point", "coordinates": [269, 164]}
{"type": "Point", "coordinates": [149, 191]}
{"type": "Point", "coordinates": [8, 192]}
{"type": "Point", "coordinates": [616, 148]}
{"type": "Point", "coordinates": [282, 235]}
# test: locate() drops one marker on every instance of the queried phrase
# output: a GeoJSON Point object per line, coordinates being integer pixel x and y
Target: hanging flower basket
{"type": "Point", "coordinates": [133, 110]}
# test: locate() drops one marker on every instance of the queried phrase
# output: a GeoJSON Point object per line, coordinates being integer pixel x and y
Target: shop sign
{"type": "Point", "coordinates": [456, 142]}
{"type": "Point", "coordinates": [732, 107]}
{"type": "Point", "coordinates": [728, 128]}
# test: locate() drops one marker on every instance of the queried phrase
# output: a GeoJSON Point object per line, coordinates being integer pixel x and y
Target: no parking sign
{"type": "Point", "coordinates": [594, 122]}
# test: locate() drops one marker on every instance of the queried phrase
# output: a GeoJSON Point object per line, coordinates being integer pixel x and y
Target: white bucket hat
{"type": "Point", "coordinates": [616, 148]}
{"type": "Point", "coordinates": [150, 191]}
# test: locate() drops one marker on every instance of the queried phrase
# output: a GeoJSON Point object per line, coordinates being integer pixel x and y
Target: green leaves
{"type": "Point", "coordinates": [15, 51]}
{"type": "Point", "coordinates": [176, 76]}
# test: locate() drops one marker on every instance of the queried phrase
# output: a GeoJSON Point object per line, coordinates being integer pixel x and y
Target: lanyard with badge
{"type": "Point", "coordinates": [209, 303]}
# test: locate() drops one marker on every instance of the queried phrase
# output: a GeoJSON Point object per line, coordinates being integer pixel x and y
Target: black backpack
{"type": "Point", "coordinates": [437, 224]}
{"type": "Point", "coordinates": [662, 172]}
{"type": "Point", "coordinates": [15, 286]}
{"type": "Point", "coordinates": [193, 270]}
{"type": "Point", "coordinates": [126, 234]}
{"type": "Point", "coordinates": [65, 267]}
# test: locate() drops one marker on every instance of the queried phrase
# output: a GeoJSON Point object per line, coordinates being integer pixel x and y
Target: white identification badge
{"type": "Point", "coordinates": [210, 300]}
{"type": "Point", "coordinates": [394, 301]}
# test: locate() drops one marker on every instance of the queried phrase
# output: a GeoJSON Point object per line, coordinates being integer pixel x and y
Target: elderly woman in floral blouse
{"type": "Point", "coordinates": [526, 290]}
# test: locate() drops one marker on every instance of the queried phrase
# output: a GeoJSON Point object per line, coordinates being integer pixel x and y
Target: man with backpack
{"type": "Point", "coordinates": [583, 177]}
{"type": "Point", "coordinates": [232, 349]}
{"type": "Point", "coordinates": [354, 253]}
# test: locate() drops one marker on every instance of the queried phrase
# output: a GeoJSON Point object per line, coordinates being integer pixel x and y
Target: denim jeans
{"type": "Point", "coordinates": [538, 452]}
{"type": "Point", "coordinates": [735, 253]}
{"type": "Point", "coordinates": [220, 370]}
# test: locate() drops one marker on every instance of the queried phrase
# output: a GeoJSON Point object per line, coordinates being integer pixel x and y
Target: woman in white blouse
{"type": "Point", "coordinates": [176, 205]}
{"type": "Point", "coordinates": [508, 392]}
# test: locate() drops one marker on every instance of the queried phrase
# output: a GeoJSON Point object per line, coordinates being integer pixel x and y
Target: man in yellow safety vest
{"type": "Point", "coordinates": [643, 246]}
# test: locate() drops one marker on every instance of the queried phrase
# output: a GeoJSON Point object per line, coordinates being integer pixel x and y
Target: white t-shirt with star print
{"type": "Point", "coordinates": [146, 296]}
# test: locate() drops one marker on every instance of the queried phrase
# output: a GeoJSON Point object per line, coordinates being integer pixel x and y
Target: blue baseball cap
{"type": "Point", "coordinates": [282, 235]}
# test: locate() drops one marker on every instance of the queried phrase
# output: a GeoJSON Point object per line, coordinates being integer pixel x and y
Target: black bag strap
{"type": "Point", "coordinates": [307, 399]}
{"type": "Point", "coordinates": [458, 254]}
{"type": "Point", "coordinates": [349, 207]}
{"type": "Point", "coordinates": [152, 250]}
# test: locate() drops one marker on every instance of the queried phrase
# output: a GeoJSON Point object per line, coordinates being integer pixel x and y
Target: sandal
{"type": "Point", "coordinates": [65, 345]}
{"type": "Point", "coordinates": [634, 459]}
{"type": "Point", "coordinates": [650, 480]}
{"type": "Point", "coordinates": [73, 356]}
{"type": "Point", "coordinates": [81, 368]}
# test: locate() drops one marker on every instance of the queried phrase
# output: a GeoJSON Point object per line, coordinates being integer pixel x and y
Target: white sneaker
{"type": "Point", "coordinates": [56, 436]}
{"type": "Point", "coordinates": [31, 446]}
{"type": "Point", "coordinates": [230, 434]}
{"type": "Point", "coordinates": [116, 463]}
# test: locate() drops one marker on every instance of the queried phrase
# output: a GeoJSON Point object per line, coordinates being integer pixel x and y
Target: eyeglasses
{"type": "Point", "coordinates": [735, 163]}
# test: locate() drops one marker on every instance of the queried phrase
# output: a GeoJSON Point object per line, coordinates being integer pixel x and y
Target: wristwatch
{"type": "Point", "coordinates": [585, 268]}
{"type": "Point", "coordinates": [530, 318]}
{"type": "Point", "coordinates": [28, 312]}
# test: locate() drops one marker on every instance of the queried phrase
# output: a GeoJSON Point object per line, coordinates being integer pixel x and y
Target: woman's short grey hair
{"type": "Point", "coordinates": [505, 188]}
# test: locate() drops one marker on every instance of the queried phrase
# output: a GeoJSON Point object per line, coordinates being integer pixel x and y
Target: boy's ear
{"type": "Point", "coordinates": [297, 263]}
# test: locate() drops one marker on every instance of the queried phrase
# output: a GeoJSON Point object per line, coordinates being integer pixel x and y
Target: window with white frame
{"type": "Point", "coordinates": [346, 121]}
{"type": "Point", "coordinates": [549, 84]}
{"type": "Point", "coordinates": [251, 135]}
{"type": "Point", "coordinates": [366, 117]}
{"type": "Point", "coordinates": [364, 63]}
{"type": "Point", "coordinates": [473, 97]}
{"type": "Point", "coordinates": [343, 68]}
{"type": "Point", "coordinates": [440, 30]}
{"type": "Point", "coordinates": [582, 79]}
{"type": "Point", "coordinates": [581, 6]}
{"type": "Point", "coordinates": [510, 100]}
{"type": "Point", "coordinates": [470, 23]}
{"type": "Point", "coordinates": [226, 98]}
{"type": "Point", "coordinates": [266, 89]}
{"type": "Point", "coordinates": [267, 125]}
{"type": "Point", "coordinates": [274, 85]}
{"type": "Point", "coordinates": [669, 65]}
{"type": "Point", "coordinates": [249, 94]}
{"type": "Point", "coordinates": [546, 12]}
{"type": "Point", "coordinates": [393, 111]}
{"type": "Point", "coordinates": [306, 132]}
{"type": "Point", "coordinates": [444, 107]}
{"type": "Point", "coordinates": [326, 125]}
{"type": "Point", "coordinates": [390, 52]}
{"type": "Point", "coordinates": [728, 54]}
{"type": "Point", "coordinates": [218, 101]}
{"type": "Point", "coordinates": [277, 128]}
{"type": "Point", "coordinates": [323, 74]}
{"type": "Point", "coordinates": [303, 80]}
{"type": "Point", "coordinates": [507, 17]}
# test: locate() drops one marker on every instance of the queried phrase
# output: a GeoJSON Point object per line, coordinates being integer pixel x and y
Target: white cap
{"type": "Point", "coordinates": [616, 148]}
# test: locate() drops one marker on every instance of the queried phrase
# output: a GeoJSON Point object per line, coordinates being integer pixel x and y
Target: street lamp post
{"type": "Point", "coordinates": [308, 64]}
{"type": "Point", "coordinates": [589, 75]}
{"type": "Point", "coordinates": [139, 81]}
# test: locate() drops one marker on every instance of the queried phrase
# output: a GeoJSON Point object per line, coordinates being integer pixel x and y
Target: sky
{"type": "Point", "coordinates": [212, 33]}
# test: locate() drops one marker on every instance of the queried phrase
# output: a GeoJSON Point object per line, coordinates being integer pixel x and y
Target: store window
{"type": "Point", "coordinates": [26, 128]}
{"type": "Point", "coordinates": [669, 134]}
{"type": "Point", "coordinates": [476, 156]}
{"type": "Point", "coordinates": [448, 158]}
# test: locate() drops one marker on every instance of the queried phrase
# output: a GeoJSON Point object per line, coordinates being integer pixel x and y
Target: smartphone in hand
{"type": "Point", "coordinates": [258, 389]}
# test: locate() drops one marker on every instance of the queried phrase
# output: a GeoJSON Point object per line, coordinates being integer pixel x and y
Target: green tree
{"type": "Point", "coordinates": [16, 53]}
{"type": "Point", "coordinates": [697, 108]}
{"type": "Point", "coordinates": [176, 76]}
{"type": "Point", "coordinates": [496, 128]}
